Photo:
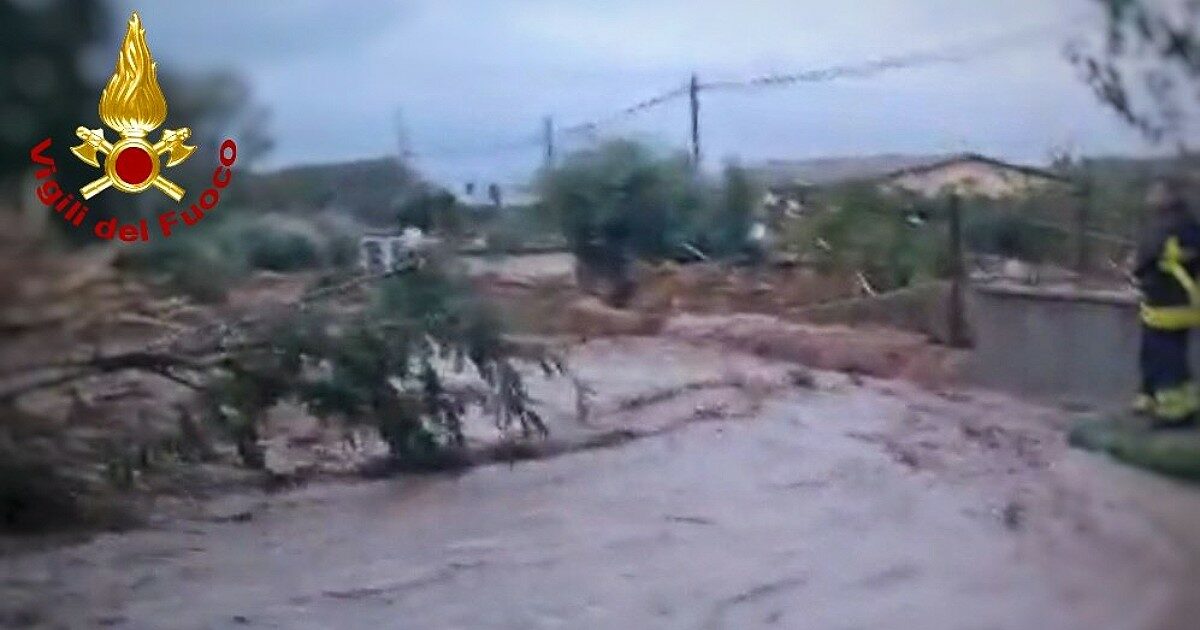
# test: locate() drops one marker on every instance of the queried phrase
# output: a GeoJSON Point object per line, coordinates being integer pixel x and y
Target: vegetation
{"type": "Point", "coordinates": [226, 246]}
{"type": "Point", "coordinates": [371, 192]}
{"type": "Point", "coordinates": [1148, 71]}
{"type": "Point", "coordinates": [48, 94]}
{"type": "Point", "coordinates": [1034, 227]}
{"type": "Point", "coordinates": [1175, 453]}
{"type": "Point", "coordinates": [624, 200]}
{"type": "Point", "coordinates": [1010, 235]}
{"type": "Point", "coordinates": [431, 210]}
{"type": "Point", "coordinates": [384, 366]}
{"type": "Point", "coordinates": [44, 91]}
{"type": "Point", "coordinates": [623, 197]}
{"type": "Point", "coordinates": [885, 237]}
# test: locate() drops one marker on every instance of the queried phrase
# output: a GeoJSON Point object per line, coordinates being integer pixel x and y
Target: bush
{"type": "Point", "coordinates": [383, 366]}
{"type": "Point", "coordinates": [622, 197]}
{"type": "Point", "coordinates": [1009, 236]}
{"type": "Point", "coordinates": [625, 196]}
{"type": "Point", "coordinates": [197, 266]}
{"type": "Point", "coordinates": [281, 250]}
{"type": "Point", "coordinates": [861, 229]}
{"type": "Point", "coordinates": [204, 261]}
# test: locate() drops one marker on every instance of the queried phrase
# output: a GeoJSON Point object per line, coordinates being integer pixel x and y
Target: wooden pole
{"type": "Point", "coordinates": [956, 323]}
{"type": "Point", "coordinates": [548, 132]}
{"type": "Point", "coordinates": [694, 93]}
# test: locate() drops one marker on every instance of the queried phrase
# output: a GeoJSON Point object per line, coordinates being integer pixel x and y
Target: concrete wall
{"type": "Point", "coordinates": [1057, 344]}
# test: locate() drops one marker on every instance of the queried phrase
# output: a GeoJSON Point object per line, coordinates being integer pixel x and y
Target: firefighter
{"type": "Point", "coordinates": [1168, 259]}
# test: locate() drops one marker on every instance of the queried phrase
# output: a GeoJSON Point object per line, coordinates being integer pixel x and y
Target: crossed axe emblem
{"type": "Point", "coordinates": [171, 144]}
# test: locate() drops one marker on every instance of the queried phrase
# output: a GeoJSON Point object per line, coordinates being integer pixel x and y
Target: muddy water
{"type": "Point", "coordinates": [869, 505]}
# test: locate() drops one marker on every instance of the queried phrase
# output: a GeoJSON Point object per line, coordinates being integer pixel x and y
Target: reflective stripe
{"type": "Point", "coordinates": [1172, 260]}
{"type": "Point", "coordinates": [1176, 403]}
{"type": "Point", "coordinates": [1175, 317]}
{"type": "Point", "coordinates": [1170, 317]}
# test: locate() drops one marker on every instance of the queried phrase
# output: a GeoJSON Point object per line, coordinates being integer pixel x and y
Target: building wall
{"type": "Point", "coordinates": [969, 177]}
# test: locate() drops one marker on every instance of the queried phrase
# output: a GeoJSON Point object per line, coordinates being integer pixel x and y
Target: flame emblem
{"type": "Point", "coordinates": [133, 105]}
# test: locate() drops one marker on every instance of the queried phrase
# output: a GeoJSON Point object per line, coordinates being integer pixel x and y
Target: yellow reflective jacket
{"type": "Point", "coordinates": [1168, 261]}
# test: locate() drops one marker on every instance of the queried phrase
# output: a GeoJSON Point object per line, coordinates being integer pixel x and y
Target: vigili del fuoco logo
{"type": "Point", "coordinates": [132, 105]}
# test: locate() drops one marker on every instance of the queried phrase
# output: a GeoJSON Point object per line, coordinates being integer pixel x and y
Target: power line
{"type": "Point", "coordinates": [506, 146]}
{"type": "Point", "coordinates": [530, 141]}
{"type": "Point", "coordinates": [834, 72]}
{"type": "Point", "coordinates": [951, 54]}
{"type": "Point", "coordinates": [633, 110]}
{"type": "Point", "coordinates": [957, 53]}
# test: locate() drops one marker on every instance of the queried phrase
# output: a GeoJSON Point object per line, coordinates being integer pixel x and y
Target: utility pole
{"type": "Point", "coordinates": [694, 93]}
{"type": "Point", "coordinates": [403, 141]}
{"type": "Point", "coordinates": [956, 318]}
{"type": "Point", "coordinates": [548, 137]}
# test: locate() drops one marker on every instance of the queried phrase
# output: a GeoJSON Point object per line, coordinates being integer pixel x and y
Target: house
{"type": "Point", "coordinates": [790, 183]}
{"type": "Point", "coordinates": [971, 174]}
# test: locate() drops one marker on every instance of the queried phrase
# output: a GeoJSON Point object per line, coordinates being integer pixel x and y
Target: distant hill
{"type": "Point", "coordinates": [367, 189]}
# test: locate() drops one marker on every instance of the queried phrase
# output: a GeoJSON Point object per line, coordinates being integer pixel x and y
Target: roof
{"type": "Point", "coordinates": [1031, 171]}
{"type": "Point", "coordinates": [838, 170]}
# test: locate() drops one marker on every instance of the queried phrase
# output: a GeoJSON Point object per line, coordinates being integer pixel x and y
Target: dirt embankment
{"type": "Point", "coordinates": [549, 299]}
{"type": "Point", "coordinates": [869, 351]}
{"type": "Point", "coordinates": [784, 313]}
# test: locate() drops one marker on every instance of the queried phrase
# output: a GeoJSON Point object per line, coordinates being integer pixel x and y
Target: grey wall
{"type": "Point", "coordinates": [1056, 345]}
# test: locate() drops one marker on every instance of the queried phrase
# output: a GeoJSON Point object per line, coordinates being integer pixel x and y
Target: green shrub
{"type": "Point", "coordinates": [383, 366]}
{"type": "Point", "coordinates": [861, 229]}
{"type": "Point", "coordinates": [206, 260]}
{"type": "Point", "coordinates": [623, 196]}
{"type": "Point", "coordinates": [197, 267]}
{"type": "Point", "coordinates": [280, 250]}
{"type": "Point", "coordinates": [1009, 236]}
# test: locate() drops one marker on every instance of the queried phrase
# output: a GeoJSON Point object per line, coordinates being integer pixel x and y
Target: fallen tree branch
{"type": "Point", "coordinates": [198, 354]}
{"type": "Point", "coordinates": [159, 364]}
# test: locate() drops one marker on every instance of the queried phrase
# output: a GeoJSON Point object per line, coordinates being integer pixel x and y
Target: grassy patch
{"type": "Point", "coordinates": [1173, 452]}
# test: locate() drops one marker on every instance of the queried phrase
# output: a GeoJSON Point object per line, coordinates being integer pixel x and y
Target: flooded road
{"type": "Point", "coordinates": [836, 503]}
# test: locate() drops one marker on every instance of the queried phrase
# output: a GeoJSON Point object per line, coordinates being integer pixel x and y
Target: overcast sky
{"type": "Point", "coordinates": [469, 75]}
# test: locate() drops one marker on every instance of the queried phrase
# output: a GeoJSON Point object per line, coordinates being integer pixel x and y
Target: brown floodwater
{"type": "Point", "coordinates": [869, 505]}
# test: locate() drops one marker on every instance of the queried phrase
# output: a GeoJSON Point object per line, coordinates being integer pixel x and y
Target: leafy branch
{"type": "Point", "coordinates": [1148, 70]}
